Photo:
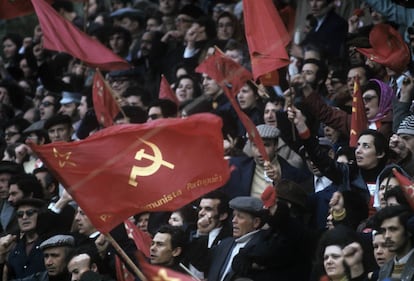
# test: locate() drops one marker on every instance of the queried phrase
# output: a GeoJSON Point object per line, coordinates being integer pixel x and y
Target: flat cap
{"type": "Point", "coordinates": [58, 241]}
{"type": "Point", "coordinates": [36, 126]}
{"type": "Point", "coordinates": [128, 12]}
{"type": "Point", "coordinates": [69, 97]}
{"type": "Point", "coordinates": [248, 204]}
{"type": "Point", "coordinates": [34, 202]}
{"type": "Point", "coordinates": [268, 132]}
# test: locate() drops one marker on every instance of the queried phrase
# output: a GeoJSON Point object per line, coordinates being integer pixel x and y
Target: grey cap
{"type": "Point", "coordinates": [69, 97]}
{"type": "Point", "coordinates": [58, 241]}
{"type": "Point", "coordinates": [128, 12]}
{"type": "Point", "coordinates": [36, 126]}
{"type": "Point", "coordinates": [406, 126]}
{"type": "Point", "coordinates": [325, 142]}
{"type": "Point", "coordinates": [268, 132]}
{"type": "Point", "coordinates": [248, 204]}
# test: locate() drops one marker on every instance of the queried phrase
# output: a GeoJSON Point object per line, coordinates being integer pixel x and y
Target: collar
{"type": "Point", "coordinates": [245, 238]}
{"type": "Point", "coordinates": [404, 259]}
{"type": "Point", "coordinates": [94, 235]}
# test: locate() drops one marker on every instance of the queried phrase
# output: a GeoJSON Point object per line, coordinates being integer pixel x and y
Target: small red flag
{"type": "Point", "coordinates": [142, 239]}
{"type": "Point", "coordinates": [166, 92]}
{"type": "Point", "coordinates": [407, 186]}
{"type": "Point", "coordinates": [124, 170]}
{"type": "Point", "coordinates": [61, 35]}
{"type": "Point", "coordinates": [266, 36]}
{"type": "Point", "coordinates": [229, 74]}
{"type": "Point", "coordinates": [122, 272]}
{"type": "Point", "coordinates": [155, 272]}
{"type": "Point", "coordinates": [359, 121]}
{"type": "Point", "coordinates": [104, 104]}
{"type": "Point", "coordinates": [13, 9]}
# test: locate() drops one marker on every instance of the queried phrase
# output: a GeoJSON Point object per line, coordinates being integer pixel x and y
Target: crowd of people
{"type": "Point", "coordinates": [321, 207]}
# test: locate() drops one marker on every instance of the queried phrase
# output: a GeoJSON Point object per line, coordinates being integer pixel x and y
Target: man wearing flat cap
{"type": "Point", "coordinates": [252, 174]}
{"type": "Point", "coordinates": [248, 218]}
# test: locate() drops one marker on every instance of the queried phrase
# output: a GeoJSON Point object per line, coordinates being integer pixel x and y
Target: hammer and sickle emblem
{"type": "Point", "coordinates": [151, 169]}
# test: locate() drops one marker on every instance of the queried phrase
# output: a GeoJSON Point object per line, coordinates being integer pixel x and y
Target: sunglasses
{"type": "Point", "coordinates": [367, 99]}
{"type": "Point", "coordinates": [11, 134]}
{"type": "Point", "coordinates": [29, 213]}
{"type": "Point", "coordinates": [46, 103]}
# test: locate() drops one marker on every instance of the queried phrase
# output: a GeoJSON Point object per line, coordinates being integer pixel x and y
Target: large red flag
{"type": "Point", "coordinates": [141, 239]}
{"type": "Point", "coordinates": [155, 272]}
{"type": "Point", "coordinates": [61, 35]}
{"type": "Point", "coordinates": [359, 120]}
{"type": "Point", "coordinates": [124, 170]}
{"type": "Point", "coordinates": [407, 186]}
{"type": "Point", "coordinates": [12, 9]}
{"type": "Point", "coordinates": [122, 272]}
{"type": "Point", "coordinates": [166, 92]}
{"type": "Point", "coordinates": [104, 103]}
{"type": "Point", "coordinates": [266, 36]}
{"type": "Point", "coordinates": [231, 76]}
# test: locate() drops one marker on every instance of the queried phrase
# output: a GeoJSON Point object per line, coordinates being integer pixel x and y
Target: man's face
{"type": "Point", "coordinates": [396, 238]}
{"type": "Point", "coordinates": [225, 28]}
{"type": "Point", "coordinates": [167, 6]}
{"type": "Point", "coordinates": [27, 218]}
{"type": "Point", "coordinates": [161, 252]}
{"type": "Point", "coordinates": [69, 109]}
{"type": "Point", "coordinates": [4, 185]}
{"type": "Point", "coordinates": [270, 114]}
{"type": "Point", "coordinates": [82, 107]}
{"type": "Point", "coordinates": [47, 107]}
{"type": "Point", "coordinates": [208, 215]}
{"type": "Point", "coordinates": [154, 113]}
{"type": "Point", "coordinates": [270, 147]}
{"type": "Point", "coordinates": [12, 134]}
{"type": "Point", "coordinates": [381, 252]}
{"type": "Point", "coordinates": [318, 7]}
{"type": "Point", "coordinates": [117, 43]}
{"type": "Point", "coordinates": [243, 223]}
{"type": "Point", "coordinates": [54, 259]}
{"type": "Point", "coordinates": [210, 87]}
{"type": "Point", "coordinates": [366, 153]}
{"type": "Point", "coordinates": [309, 72]}
{"type": "Point", "coordinates": [78, 265]}
{"type": "Point", "coordinates": [408, 140]}
{"type": "Point", "coordinates": [60, 132]}
{"type": "Point", "coordinates": [386, 184]}
{"type": "Point", "coordinates": [135, 101]}
{"type": "Point", "coordinates": [15, 194]}
{"type": "Point", "coordinates": [146, 44]}
{"type": "Point", "coordinates": [236, 55]}
{"type": "Point", "coordinates": [83, 223]}
{"type": "Point", "coordinates": [353, 73]}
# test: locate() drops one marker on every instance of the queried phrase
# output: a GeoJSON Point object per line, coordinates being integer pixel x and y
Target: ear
{"type": "Point", "coordinates": [94, 267]}
{"type": "Point", "coordinates": [381, 155]}
{"type": "Point", "coordinates": [51, 188]}
{"type": "Point", "coordinates": [256, 222]}
{"type": "Point", "coordinates": [177, 251]}
{"type": "Point", "coordinates": [223, 217]}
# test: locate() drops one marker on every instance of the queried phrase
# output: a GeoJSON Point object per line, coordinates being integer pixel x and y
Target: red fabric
{"type": "Point", "coordinates": [127, 169]}
{"type": "Point", "coordinates": [13, 9]}
{"type": "Point", "coordinates": [61, 35]}
{"type": "Point", "coordinates": [266, 36]}
{"type": "Point", "coordinates": [154, 272]}
{"type": "Point", "coordinates": [104, 104]}
{"type": "Point", "coordinates": [142, 240]}
{"type": "Point", "coordinates": [231, 76]}
{"type": "Point", "coordinates": [122, 273]}
{"type": "Point", "coordinates": [269, 196]}
{"type": "Point", "coordinates": [407, 186]}
{"type": "Point", "coordinates": [166, 92]}
{"type": "Point", "coordinates": [270, 78]}
{"type": "Point", "coordinates": [359, 121]}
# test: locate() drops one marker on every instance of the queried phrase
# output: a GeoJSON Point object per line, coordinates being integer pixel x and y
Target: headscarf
{"type": "Point", "coordinates": [385, 100]}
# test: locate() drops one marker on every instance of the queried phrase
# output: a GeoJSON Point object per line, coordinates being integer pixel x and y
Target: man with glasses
{"type": "Point", "coordinates": [21, 253]}
{"type": "Point", "coordinates": [48, 106]}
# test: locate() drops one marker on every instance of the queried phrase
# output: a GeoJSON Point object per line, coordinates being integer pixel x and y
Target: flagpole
{"type": "Point", "coordinates": [290, 104]}
{"type": "Point", "coordinates": [189, 272]}
{"type": "Point", "coordinates": [125, 257]}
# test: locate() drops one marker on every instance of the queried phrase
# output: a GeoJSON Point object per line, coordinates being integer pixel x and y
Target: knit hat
{"type": "Point", "coordinates": [268, 132]}
{"type": "Point", "coordinates": [58, 241]}
{"type": "Point", "coordinates": [406, 126]}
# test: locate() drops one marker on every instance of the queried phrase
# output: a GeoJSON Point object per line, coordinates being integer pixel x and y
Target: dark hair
{"type": "Point", "coordinates": [139, 91]}
{"type": "Point", "coordinates": [29, 185]}
{"type": "Point", "coordinates": [223, 207]}
{"type": "Point", "coordinates": [399, 195]}
{"type": "Point", "coordinates": [135, 114]}
{"type": "Point", "coordinates": [402, 212]}
{"type": "Point", "coordinates": [178, 238]}
{"type": "Point", "coordinates": [57, 120]}
{"type": "Point", "coordinates": [124, 32]}
{"type": "Point", "coordinates": [209, 25]}
{"type": "Point", "coordinates": [15, 38]}
{"type": "Point", "coordinates": [322, 72]}
{"type": "Point", "coordinates": [372, 85]}
{"type": "Point", "coordinates": [196, 84]}
{"type": "Point", "coordinates": [168, 108]}
{"type": "Point", "coordinates": [368, 72]}
{"type": "Point", "coordinates": [380, 143]}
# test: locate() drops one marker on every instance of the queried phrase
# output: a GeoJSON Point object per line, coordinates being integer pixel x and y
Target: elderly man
{"type": "Point", "coordinates": [252, 174]}
{"type": "Point", "coordinates": [248, 218]}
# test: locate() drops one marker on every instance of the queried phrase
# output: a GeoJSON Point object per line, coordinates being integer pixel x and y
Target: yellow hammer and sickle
{"type": "Point", "coordinates": [151, 169]}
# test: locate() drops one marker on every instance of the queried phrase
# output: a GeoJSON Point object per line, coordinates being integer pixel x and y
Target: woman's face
{"type": "Point", "coordinates": [386, 184]}
{"type": "Point", "coordinates": [185, 90]}
{"type": "Point", "coordinates": [371, 102]}
{"type": "Point", "coordinates": [246, 98]}
{"type": "Point", "coordinates": [9, 49]}
{"type": "Point", "coordinates": [176, 219]}
{"type": "Point", "coordinates": [225, 28]}
{"type": "Point", "coordinates": [333, 262]}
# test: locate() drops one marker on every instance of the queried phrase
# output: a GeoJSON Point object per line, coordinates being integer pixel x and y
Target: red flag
{"type": "Point", "coordinates": [127, 169]}
{"type": "Point", "coordinates": [407, 186]}
{"type": "Point", "coordinates": [122, 272]}
{"type": "Point", "coordinates": [13, 9]}
{"type": "Point", "coordinates": [166, 92]}
{"type": "Point", "coordinates": [359, 120]}
{"type": "Point", "coordinates": [155, 272]}
{"type": "Point", "coordinates": [142, 240]}
{"type": "Point", "coordinates": [228, 73]}
{"type": "Point", "coordinates": [61, 35]}
{"type": "Point", "coordinates": [266, 36]}
{"type": "Point", "coordinates": [104, 104]}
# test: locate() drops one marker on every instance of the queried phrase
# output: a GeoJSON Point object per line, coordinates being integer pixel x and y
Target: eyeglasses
{"type": "Point", "coordinates": [46, 103]}
{"type": "Point", "coordinates": [154, 116]}
{"type": "Point", "coordinates": [28, 213]}
{"type": "Point", "coordinates": [367, 99]}
{"type": "Point", "coordinates": [180, 20]}
{"type": "Point", "coordinates": [11, 134]}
